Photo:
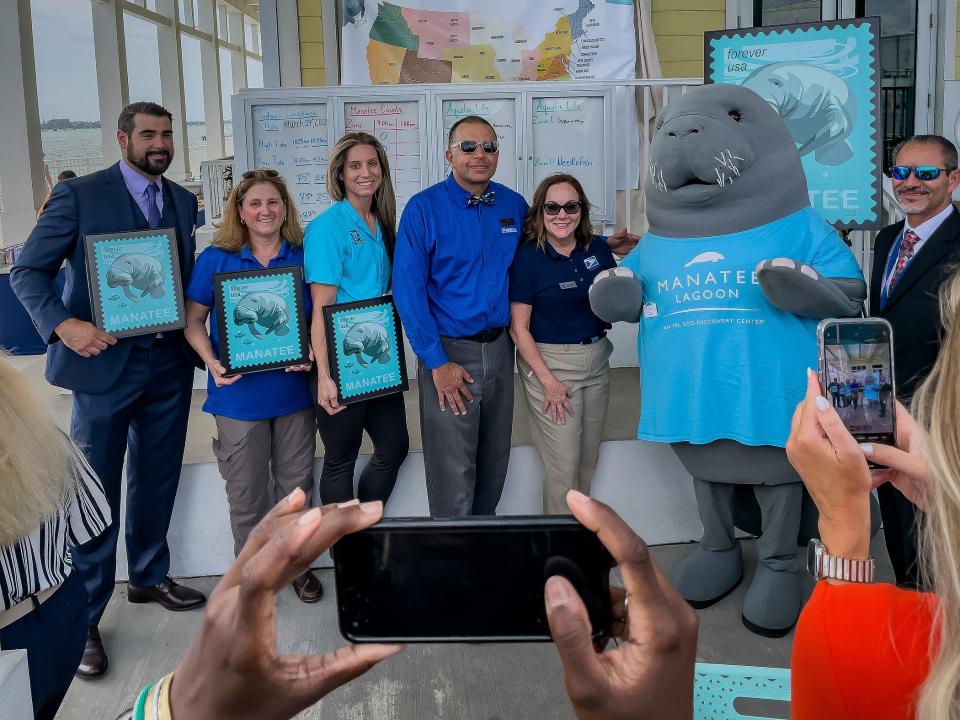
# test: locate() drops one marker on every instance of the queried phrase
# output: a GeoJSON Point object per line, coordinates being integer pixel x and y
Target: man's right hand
{"type": "Point", "coordinates": [449, 379]}
{"type": "Point", "coordinates": [84, 338]}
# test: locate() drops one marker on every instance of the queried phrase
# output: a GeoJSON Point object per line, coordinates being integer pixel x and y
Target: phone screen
{"type": "Point", "coordinates": [858, 377]}
{"type": "Point", "coordinates": [467, 580]}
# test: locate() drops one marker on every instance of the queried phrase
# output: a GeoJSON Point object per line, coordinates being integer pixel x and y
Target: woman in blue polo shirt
{"type": "Point", "coordinates": [265, 441]}
{"type": "Point", "coordinates": [348, 252]}
{"type": "Point", "coordinates": [562, 349]}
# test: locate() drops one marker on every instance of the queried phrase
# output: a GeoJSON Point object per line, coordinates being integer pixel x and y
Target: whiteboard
{"type": "Point", "coordinates": [568, 137]}
{"type": "Point", "coordinates": [400, 125]}
{"type": "Point", "coordinates": [293, 139]}
{"type": "Point", "coordinates": [502, 113]}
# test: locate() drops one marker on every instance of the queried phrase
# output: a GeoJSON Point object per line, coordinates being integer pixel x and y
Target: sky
{"type": "Point", "coordinates": [66, 69]}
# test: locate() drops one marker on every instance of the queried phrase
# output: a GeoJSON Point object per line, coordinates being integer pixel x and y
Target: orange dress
{"type": "Point", "coordinates": [861, 651]}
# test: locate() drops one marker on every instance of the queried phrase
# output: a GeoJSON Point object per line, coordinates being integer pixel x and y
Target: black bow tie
{"type": "Point", "coordinates": [485, 198]}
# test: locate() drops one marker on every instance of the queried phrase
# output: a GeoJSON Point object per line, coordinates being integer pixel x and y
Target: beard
{"type": "Point", "coordinates": [153, 163]}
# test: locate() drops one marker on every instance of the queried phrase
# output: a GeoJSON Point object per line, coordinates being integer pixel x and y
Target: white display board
{"type": "Point", "coordinates": [567, 127]}
{"type": "Point", "coordinates": [293, 139]}
{"type": "Point", "coordinates": [568, 136]}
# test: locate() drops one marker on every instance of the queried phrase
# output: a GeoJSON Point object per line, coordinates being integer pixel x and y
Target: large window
{"type": "Point", "coordinates": [783, 12]}
{"type": "Point", "coordinates": [226, 91]}
{"type": "Point", "coordinates": [143, 70]}
{"type": "Point", "coordinates": [193, 101]}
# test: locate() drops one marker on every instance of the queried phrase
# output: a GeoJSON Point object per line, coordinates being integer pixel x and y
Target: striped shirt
{"type": "Point", "coordinates": [42, 559]}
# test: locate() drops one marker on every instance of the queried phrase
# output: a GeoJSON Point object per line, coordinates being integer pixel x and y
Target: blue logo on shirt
{"type": "Point", "coordinates": [591, 262]}
{"type": "Point", "coordinates": [356, 237]}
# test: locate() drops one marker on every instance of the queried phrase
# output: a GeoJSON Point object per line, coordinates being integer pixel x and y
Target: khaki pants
{"type": "Point", "coordinates": [261, 462]}
{"type": "Point", "coordinates": [569, 451]}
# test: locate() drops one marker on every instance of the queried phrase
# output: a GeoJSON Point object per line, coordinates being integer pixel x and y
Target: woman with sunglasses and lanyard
{"type": "Point", "coordinates": [265, 442]}
{"type": "Point", "coordinates": [563, 351]}
{"type": "Point", "coordinates": [349, 251]}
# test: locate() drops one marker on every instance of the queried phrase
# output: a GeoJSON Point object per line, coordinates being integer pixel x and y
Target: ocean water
{"type": "Point", "coordinates": [82, 150]}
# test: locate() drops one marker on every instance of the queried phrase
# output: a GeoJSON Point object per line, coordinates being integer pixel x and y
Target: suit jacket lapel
{"type": "Point", "coordinates": [184, 225]}
{"type": "Point", "coordinates": [932, 252]}
{"type": "Point", "coordinates": [880, 251]}
{"type": "Point", "coordinates": [122, 204]}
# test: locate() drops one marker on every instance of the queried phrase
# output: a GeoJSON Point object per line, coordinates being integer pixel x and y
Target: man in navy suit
{"type": "Point", "coordinates": [131, 396]}
{"type": "Point", "coordinates": [911, 259]}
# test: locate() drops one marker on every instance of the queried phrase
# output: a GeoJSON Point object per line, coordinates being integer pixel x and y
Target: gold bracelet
{"type": "Point", "coordinates": [157, 706]}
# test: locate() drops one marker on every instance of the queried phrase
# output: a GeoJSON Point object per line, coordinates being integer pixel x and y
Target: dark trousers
{"type": "Point", "coordinates": [385, 420]}
{"type": "Point", "coordinates": [466, 456]}
{"type": "Point", "coordinates": [900, 534]}
{"type": "Point", "coordinates": [53, 636]}
{"type": "Point", "coordinates": [145, 416]}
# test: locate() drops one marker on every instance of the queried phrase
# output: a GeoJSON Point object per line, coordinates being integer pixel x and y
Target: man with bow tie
{"type": "Point", "coordinates": [454, 247]}
{"type": "Point", "coordinates": [910, 261]}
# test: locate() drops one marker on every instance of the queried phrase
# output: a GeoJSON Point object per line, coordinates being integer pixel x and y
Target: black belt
{"type": "Point", "coordinates": [594, 339]}
{"type": "Point", "coordinates": [485, 336]}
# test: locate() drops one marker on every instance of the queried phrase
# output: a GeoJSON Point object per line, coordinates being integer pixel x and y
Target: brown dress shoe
{"type": "Point", "coordinates": [171, 595]}
{"type": "Point", "coordinates": [94, 662]}
{"type": "Point", "coordinates": [308, 587]}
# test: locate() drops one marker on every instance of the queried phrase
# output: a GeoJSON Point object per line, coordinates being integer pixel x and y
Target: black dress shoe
{"type": "Point", "coordinates": [94, 662]}
{"type": "Point", "coordinates": [169, 594]}
{"type": "Point", "coordinates": [308, 587]}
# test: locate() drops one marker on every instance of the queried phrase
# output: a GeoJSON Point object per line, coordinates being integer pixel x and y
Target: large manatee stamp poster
{"type": "Point", "coordinates": [364, 349]}
{"type": "Point", "coordinates": [134, 281]}
{"type": "Point", "coordinates": [823, 80]}
{"type": "Point", "coordinates": [261, 319]}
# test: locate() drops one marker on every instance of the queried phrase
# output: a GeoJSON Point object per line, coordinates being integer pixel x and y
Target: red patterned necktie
{"type": "Point", "coordinates": [910, 239]}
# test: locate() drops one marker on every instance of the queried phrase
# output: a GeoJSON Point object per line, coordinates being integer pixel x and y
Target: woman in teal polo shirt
{"type": "Point", "coordinates": [348, 253]}
{"type": "Point", "coordinates": [562, 349]}
{"type": "Point", "coordinates": [265, 441]}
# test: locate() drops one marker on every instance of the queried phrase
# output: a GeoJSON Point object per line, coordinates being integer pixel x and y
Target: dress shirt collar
{"type": "Point", "coordinates": [458, 194]}
{"type": "Point", "coordinates": [361, 224]}
{"type": "Point", "coordinates": [137, 183]}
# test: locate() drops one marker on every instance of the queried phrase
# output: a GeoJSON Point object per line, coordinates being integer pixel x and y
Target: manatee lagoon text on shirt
{"type": "Point", "coordinates": [714, 285]}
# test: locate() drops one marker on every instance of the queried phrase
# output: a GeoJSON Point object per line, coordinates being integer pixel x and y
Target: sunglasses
{"type": "Point", "coordinates": [921, 172]}
{"type": "Point", "coordinates": [570, 208]}
{"type": "Point", "coordinates": [470, 146]}
{"type": "Point", "coordinates": [265, 173]}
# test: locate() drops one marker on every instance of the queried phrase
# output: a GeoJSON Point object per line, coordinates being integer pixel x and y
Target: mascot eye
{"type": "Point", "coordinates": [736, 115]}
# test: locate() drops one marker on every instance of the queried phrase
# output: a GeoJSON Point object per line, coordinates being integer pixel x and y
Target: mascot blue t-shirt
{"type": "Point", "coordinates": [717, 360]}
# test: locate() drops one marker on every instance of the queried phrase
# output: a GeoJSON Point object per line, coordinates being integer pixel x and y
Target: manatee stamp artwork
{"type": "Point", "coordinates": [364, 349]}
{"type": "Point", "coordinates": [261, 319]}
{"type": "Point", "coordinates": [134, 280]}
{"type": "Point", "coordinates": [823, 80]}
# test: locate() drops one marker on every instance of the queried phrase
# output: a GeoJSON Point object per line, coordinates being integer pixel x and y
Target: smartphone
{"type": "Point", "coordinates": [477, 579]}
{"type": "Point", "coordinates": [857, 375]}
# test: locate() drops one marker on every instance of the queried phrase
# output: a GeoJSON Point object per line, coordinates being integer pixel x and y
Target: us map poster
{"type": "Point", "coordinates": [466, 41]}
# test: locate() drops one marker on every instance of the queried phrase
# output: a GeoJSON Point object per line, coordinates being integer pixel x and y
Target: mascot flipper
{"type": "Point", "coordinates": [728, 285]}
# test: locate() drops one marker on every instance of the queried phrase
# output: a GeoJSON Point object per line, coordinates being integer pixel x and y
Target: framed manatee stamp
{"type": "Point", "coordinates": [261, 319]}
{"type": "Point", "coordinates": [134, 280]}
{"type": "Point", "coordinates": [365, 349]}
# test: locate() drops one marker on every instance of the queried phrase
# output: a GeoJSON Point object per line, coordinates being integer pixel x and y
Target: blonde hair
{"type": "Point", "coordinates": [384, 203]}
{"type": "Point", "coordinates": [39, 467]}
{"type": "Point", "coordinates": [937, 408]}
{"type": "Point", "coordinates": [232, 235]}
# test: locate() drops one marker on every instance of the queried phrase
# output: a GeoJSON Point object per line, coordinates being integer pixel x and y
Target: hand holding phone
{"type": "Point", "coordinates": [904, 466]}
{"type": "Point", "coordinates": [651, 673]}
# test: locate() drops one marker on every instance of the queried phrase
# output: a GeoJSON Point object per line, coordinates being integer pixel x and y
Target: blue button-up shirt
{"type": "Point", "coordinates": [450, 272]}
{"type": "Point", "coordinates": [137, 186]}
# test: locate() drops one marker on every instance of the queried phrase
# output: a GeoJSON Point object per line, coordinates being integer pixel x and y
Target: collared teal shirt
{"type": "Point", "coordinates": [340, 250]}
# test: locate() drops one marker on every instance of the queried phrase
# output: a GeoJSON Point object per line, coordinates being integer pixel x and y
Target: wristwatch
{"type": "Point", "coordinates": [822, 564]}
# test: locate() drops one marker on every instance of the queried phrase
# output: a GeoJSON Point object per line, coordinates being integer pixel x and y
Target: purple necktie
{"type": "Point", "coordinates": [153, 212]}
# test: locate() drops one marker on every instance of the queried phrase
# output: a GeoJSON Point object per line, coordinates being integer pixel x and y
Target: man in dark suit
{"type": "Point", "coordinates": [910, 261]}
{"type": "Point", "coordinates": [131, 395]}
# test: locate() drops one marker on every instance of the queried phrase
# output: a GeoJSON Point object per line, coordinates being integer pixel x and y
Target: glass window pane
{"type": "Point", "coordinates": [783, 12]}
{"type": "Point", "coordinates": [143, 68]}
{"type": "Point", "coordinates": [67, 91]}
{"type": "Point", "coordinates": [193, 101]}
{"type": "Point", "coordinates": [254, 73]}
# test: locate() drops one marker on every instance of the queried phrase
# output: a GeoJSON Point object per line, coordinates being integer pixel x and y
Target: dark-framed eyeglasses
{"type": "Point", "coordinates": [489, 147]}
{"type": "Point", "coordinates": [921, 172]}
{"type": "Point", "coordinates": [570, 208]}
{"type": "Point", "coordinates": [260, 171]}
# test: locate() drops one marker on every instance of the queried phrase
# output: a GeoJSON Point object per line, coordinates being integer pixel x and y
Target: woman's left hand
{"type": "Point", "coordinates": [302, 368]}
{"type": "Point", "coordinates": [622, 242]}
{"type": "Point", "coordinates": [834, 470]}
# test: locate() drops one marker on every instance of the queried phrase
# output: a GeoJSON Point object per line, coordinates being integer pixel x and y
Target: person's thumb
{"type": "Point", "coordinates": [895, 459]}
{"type": "Point", "coordinates": [570, 629]}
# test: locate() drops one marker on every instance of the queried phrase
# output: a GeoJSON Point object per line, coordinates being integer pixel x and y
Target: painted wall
{"type": "Point", "coordinates": [678, 26]}
{"type": "Point", "coordinates": [312, 70]}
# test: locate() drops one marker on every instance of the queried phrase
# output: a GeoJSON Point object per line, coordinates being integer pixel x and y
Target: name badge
{"type": "Point", "coordinates": [507, 230]}
{"type": "Point", "coordinates": [591, 262]}
{"type": "Point", "coordinates": [568, 285]}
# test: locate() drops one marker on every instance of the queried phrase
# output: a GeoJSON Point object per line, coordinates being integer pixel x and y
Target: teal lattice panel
{"type": "Point", "coordinates": [717, 687]}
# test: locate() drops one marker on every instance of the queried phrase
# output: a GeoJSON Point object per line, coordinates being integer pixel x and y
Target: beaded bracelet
{"type": "Point", "coordinates": [153, 702]}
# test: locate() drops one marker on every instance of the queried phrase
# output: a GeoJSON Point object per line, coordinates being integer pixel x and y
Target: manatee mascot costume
{"type": "Point", "coordinates": [728, 286]}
